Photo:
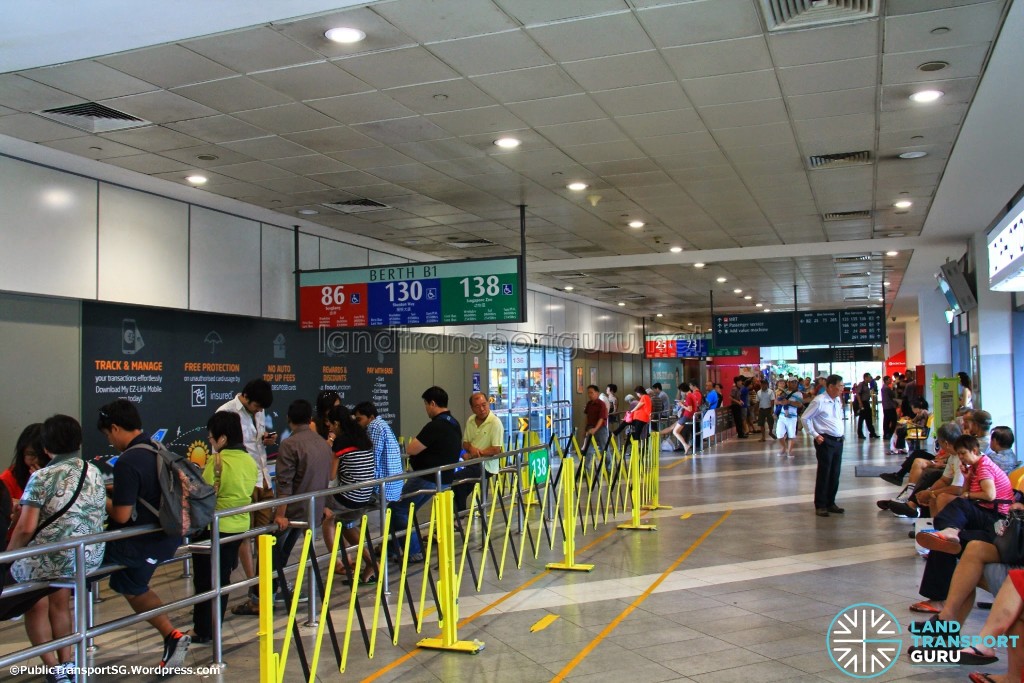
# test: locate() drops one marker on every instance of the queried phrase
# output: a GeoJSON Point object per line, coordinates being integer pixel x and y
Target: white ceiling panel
{"type": "Point", "coordinates": [286, 118]}
{"type": "Point", "coordinates": [99, 80]}
{"type": "Point", "coordinates": [434, 98]}
{"type": "Point", "coordinates": [159, 106]}
{"type": "Point", "coordinates": [412, 129]}
{"type": "Point", "coordinates": [538, 11]}
{"type": "Point", "coordinates": [361, 108]}
{"type": "Point", "coordinates": [582, 133]}
{"type": "Point", "coordinates": [506, 51]}
{"type": "Point", "coordinates": [745, 87]}
{"type": "Point", "coordinates": [272, 147]}
{"type": "Point", "coordinates": [750, 136]}
{"type": "Point", "coordinates": [444, 19]}
{"type": "Point", "coordinates": [476, 121]}
{"type": "Point", "coordinates": [528, 84]}
{"type": "Point", "coordinates": [439, 150]}
{"type": "Point", "coordinates": [87, 146]}
{"type": "Point", "coordinates": [829, 76]}
{"type": "Point", "coordinates": [257, 49]}
{"type": "Point", "coordinates": [395, 68]}
{"type": "Point", "coordinates": [222, 156]}
{"type": "Point", "coordinates": [168, 66]}
{"type": "Point", "coordinates": [152, 138]}
{"type": "Point", "coordinates": [219, 128]}
{"type": "Point", "coordinates": [825, 44]}
{"type": "Point", "coordinates": [380, 34]}
{"type": "Point", "coordinates": [699, 22]}
{"type": "Point", "coordinates": [554, 110]}
{"type": "Point", "coordinates": [35, 128]}
{"type": "Point", "coordinates": [595, 37]}
{"type": "Point", "coordinates": [679, 143]}
{"type": "Point", "coordinates": [311, 81]}
{"type": "Point", "coordinates": [661, 123]}
{"type": "Point", "coordinates": [229, 95]}
{"type": "Point", "coordinates": [620, 71]}
{"type": "Point", "coordinates": [312, 164]}
{"type": "Point", "coordinates": [923, 117]}
{"type": "Point", "coordinates": [24, 94]}
{"type": "Point", "coordinates": [745, 114]}
{"type": "Point", "coordinates": [969, 25]}
{"type": "Point", "coordinates": [716, 59]}
{"type": "Point", "coordinates": [372, 157]}
{"type": "Point", "coordinates": [642, 99]}
{"type": "Point", "coordinates": [252, 171]}
{"type": "Point", "coordinates": [149, 164]}
{"type": "Point", "coordinates": [835, 103]}
{"type": "Point", "coordinates": [963, 62]}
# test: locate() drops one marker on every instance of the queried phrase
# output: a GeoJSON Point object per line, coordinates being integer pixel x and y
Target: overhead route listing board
{"type": "Point", "coordinates": [178, 367]}
{"type": "Point", "coordinates": [840, 326]}
{"type": "Point", "coordinates": [414, 294]}
{"type": "Point", "coordinates": [685, 346]}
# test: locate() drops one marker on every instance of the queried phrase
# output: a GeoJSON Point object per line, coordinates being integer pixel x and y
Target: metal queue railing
{"type": "Point", "coordinates": [605, 483]}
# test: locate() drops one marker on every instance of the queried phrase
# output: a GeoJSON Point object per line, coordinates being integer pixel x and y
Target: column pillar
{"type": "Point", "coordinates": [933, 336]}
{"type": "Point", "coordinates": [991, 342]}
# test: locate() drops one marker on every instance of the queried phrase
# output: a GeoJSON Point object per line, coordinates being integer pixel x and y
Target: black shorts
{"type": "Point", "coordinates": [140, 559]}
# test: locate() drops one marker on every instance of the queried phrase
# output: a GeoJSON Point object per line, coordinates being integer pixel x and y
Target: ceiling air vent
{"type": "Point", "coordinates": [606, 288]}
{"type": "Point", "coordinates": [852, 259]}
{"type": "Point", "coordinates": [857, 298]}
{"type": "Point", "coordinates": [852, 286]}
{"type": "Point", "coordinates": [356, 206]}
{"type": "Point", "coordinates": [93, 118]}
{"type": "Point", "coordinates": [782, 15]}
{"type": "Point", "coordinates": [846, 215]}
{"type": "Point", "coordinates": [842, 159]}
{"type": "Point", "coordinates": [571, 276]}
{"type": "Point", "coordinates": [466, 244]}
{"type": "Point", "coordinates": [842, 276]}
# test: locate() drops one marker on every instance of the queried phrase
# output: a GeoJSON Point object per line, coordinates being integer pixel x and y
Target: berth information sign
{"type": "Point", "coordinates": [677, 345]}
{"type": "Point", "coordinates": [759, 329]}
{"type": "Point", "coordinates": [411, 294]}
{"type": "Point", "coordinates": [842, 326]}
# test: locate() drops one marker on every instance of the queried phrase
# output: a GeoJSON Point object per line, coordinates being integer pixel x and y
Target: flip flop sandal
{"type": "Point", "coordinates": [973, 657]}
{"type": "Point", "coordinates": [981, 677]}
{"type": "Point", "coordinates": [924, 607]}
{"type": "Point", "coordinates": [938, 542]}
{"type": "Point", "coordinates": [246, 609]}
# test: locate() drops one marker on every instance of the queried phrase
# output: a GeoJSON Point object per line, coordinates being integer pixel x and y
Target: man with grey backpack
{"type": "Point", "coordinates": [137, 479]}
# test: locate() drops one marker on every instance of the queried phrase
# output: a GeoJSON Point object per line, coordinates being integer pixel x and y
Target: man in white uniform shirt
{"type": "Point", "coordinates": [823, 420]}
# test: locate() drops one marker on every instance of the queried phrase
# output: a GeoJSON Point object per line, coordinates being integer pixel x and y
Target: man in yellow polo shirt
{"type": "Point", "coordinates": [484, 436]}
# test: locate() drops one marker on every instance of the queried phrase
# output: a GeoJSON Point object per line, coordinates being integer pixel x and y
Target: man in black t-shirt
{"type": "Point", "coordinates": [438, 443]}
{"type": "Point", "coordinates": [136, 478]}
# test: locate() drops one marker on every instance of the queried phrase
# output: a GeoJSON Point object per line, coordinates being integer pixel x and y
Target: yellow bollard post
{"type": "Point", "coordinates": [634, 475]}
{"type": "Point", "coordinates": [447, 582]}
{"type": "Point", "coordinates": [569, 524]}
{"type": "Point", "coordinates": [318, 642]}
{"type": "Point", "coordinates": [268, 658]}
{"type": "Point", "coordinates": [655, 474]}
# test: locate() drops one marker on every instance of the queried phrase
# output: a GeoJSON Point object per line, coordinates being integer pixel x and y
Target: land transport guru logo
{"type": "Point", "coordinates": [864, 640]}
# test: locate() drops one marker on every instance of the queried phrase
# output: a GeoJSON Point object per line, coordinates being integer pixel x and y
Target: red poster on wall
{"type": "Point", "coordinates": [896, 363]}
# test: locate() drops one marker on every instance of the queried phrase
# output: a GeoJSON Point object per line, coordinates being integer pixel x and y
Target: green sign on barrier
{"type": "Point", "coordinates": [538, 462]}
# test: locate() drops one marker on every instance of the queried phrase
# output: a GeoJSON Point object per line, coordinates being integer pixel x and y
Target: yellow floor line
{"type": "Point", "coordinates": [409, 655]}
{"type": "Point", "coordinates": [686, 516]}
{"type": "Point", "coordinates": [678, 462]}
{"type": "Point", "coordinates": [567, 669]}
{"type": "Point", "coordinates": [544, 623]}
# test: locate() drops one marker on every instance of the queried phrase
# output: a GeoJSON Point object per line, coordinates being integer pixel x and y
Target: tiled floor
{"type": "Point", "coordinates": [739, 583]}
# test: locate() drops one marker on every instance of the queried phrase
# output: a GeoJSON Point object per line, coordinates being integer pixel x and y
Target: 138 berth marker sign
{"type": "Point", "coordinates": [436, 293]}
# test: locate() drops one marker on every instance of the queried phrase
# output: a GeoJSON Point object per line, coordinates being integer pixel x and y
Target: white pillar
{"type": "Point", "coordinates": [934, 337]}
{"type": "Point", "coordinates": [991, 340]}
{"type": "Point", "coordinates": [913, 343]}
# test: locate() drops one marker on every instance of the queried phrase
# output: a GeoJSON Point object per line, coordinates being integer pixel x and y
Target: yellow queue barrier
{"type": "Point", "coordinates": [636, 486]}
{"type": "Point", "coordinates": [569, 522]}
{"type": "Point", "coordinates": [653, 473]}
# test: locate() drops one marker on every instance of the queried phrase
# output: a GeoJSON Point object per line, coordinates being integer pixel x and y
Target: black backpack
{"type": "Point", "coordinates": [187, 502]}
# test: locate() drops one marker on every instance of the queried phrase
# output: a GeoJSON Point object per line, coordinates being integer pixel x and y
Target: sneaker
{"type": "Point", "coordinates": [821, 512]}
{"type": "Point", "coordinates": [175, 649]}
{"type": "Point", "coordinates": [836, 510]}
{"type": "Point", "coordinates": [903, 510]}
{"type": "Point", "coordinates": [883, 504]}
{"type": "Point", "coordinates": [905, 494]}
{"type": "Point", "coordinates": [68, 669]}
{"type": "Point", "coordinates": [894, 478]}
{"type": "Point", "coordinates": [56, 676]}
{"type": "Point", "coordinates": [279, 598]}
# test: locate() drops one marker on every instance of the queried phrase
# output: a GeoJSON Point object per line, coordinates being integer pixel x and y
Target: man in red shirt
{"type": "Point", "coordinates": [683, 428]}
{"type": "Point", "coordinates": [597, 420]}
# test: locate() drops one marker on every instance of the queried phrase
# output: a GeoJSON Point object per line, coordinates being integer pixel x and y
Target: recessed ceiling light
{"type": "Point", "coordinates": [886, 283]}
{"type": "Point", "coordinates": [892, 253]}
{"type": "Point", "coordinates": [569, 288]}
{"type": "Point", "coordinates": [207, 157]}
{"type": "Point", "coordinates": [939, 30]}
{"type": "Point", "coordinates": [312, 212]}
{"type": "Point", "coordinates": [767, 310]}
{"type": "Point", "coordinates": [926, 96]}
{"type": "Point", "coordinates": [196, 179]}
{"type": "Point", "coordinates": [903, 204]}
{"type": "Point", "coordinates": [737, 291]}
{"type": "Point", "coordinates": [721, 279]}
{"type": "Point", "coordinates": [748, 297]}
{"type": "Point", "coordinates": [896, 234]}
{"type": "Point", "coordinates": [881, 299]}
{"type": "Point", "coordinates": [660, 315]}
{"type": "Point", "coordinates": [690, 324]}
{"type": "Point", "coordinates": [698, 265]}
{"type": "Point", "coordinates": [344, 35]}
{"type": "Point", "coordinates": [759, 305]}
{"type": "Point", "coordinates": [622, 303]}
{"type": "Point", "coordinates": [913, 155]}
{"type": "Point", "coordinates": [577, 187]}
{"type": "Point", "coordinates": [636, 224]}
{"type": "Point", "coordinates": [508, 143]}
{"type": "Point", "coordinates": [675, 250]}
{"type": "Point", "coordinates": [932, 66]}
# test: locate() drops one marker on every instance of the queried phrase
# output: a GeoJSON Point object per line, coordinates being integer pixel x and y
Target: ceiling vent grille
{"type": "Point", "coordinates": [466, 244]}
{"type": "Point", "coordinates": [852, 259]}
{"type": "Point", "coordinates": [606, 288]}
{"type": "Point", "coordinates": [571, 276]}
{"type": "Point", "coordinates": [782, 15]}
{"type": "Point", "coordinates": [852, 286]}
{"type": "Point", "coordinates": [857, 298]}
{"type": "Point", "coordinates": [843, 276]}
{"type": "Point", "coordinates": [846, 215]}
{"type": "Point", "coordinates": [356, 206]}
{"type": "Point", "coordinates": [817, 161]}
{"type": "Point", "coordinates": [93, 118]}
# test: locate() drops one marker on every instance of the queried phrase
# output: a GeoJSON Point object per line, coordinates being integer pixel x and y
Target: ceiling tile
{"type": "Point", "coordinates": [680, 143]}
{"type": "Point", "coordinates": [492, 53]}
{"type": "Point", "coordinates": [750, 136]}
{"type": "Point", "coordinates": [554, 110]}
{"type": "Point", "coordinates": [745, 114]}
{"type": "Point", "coordinates": [395, 68]}
{"type": "Point", "coordinates": [311, 81]}
{"type": "Point", "coordinates": [167, 66]}
{"type": "Point", "coordinates": [220, 128]}
{"type": "Point", "coordinates": [412, 129]}
{"type": "Point", "coordinates": [817, 132]}
{"type": "Point", "coordinates": [922, 117]}
{"type": "Point", "coordinates": [27, 95]}
{"type": "Point", "coordinates": [476, 121]}
{"type": "Point", "coordinates": [346, 179]}
{"type": "Point", "coordinates": [595, 37]}
{"type": "Point", "coordinates": [159, 106]}
{"type": "Point", "coordinates": [251, 171]}
{"type": "Point", "coordinates": [371, 157]}
{"type": "Point", "coordinates": [825, 44]}
{"type": "Point", "coordinates": [190, 155]}
{"type": "Point", "coordinates": [272, 147]}
{"type": "Point", "coordinates": [704, 158]}
{"type": "Point", "coordinates": [152, 138]}
{"type": "Point", "coordinates": [438, 150]}
{"type": "Point", "coordinates": [538, 11]}
{"type": "Point", "coordinates": [380, 34]}
{"type": "Point", "coordinates": [604, 151]}
{"type": "Point", "coordinates": [444, 19]}
{"type": "Point", "coordinates": [292, 185]}
{"type": "Point", "coordinates": [460, 168]}
{"type": "Point", "coordinates": [148, 163]}
{"type": "Point", "coordinates": [970, 25]}
{"type": "Point", "coordinates": [528, 84]}
{"type": "Point", "coordinates": [582, 132]}
{"type": "Point", "coordinates": [256, 49]}
{"type": "Point", "coordinates": [90, 80]}
{"type": "Point", "coordinates": [310, 164]}
{"type": "Point", "coordinates": [661, 123]}
{"type": "Point", "coordinates": [716, 59]}
{"type": "Point", "coordinates": [335, 139]}
{"type": "Point", "coordinates": [286, 118]}
{"type": "Point", "coordinates": [700, 22]}
{"type": "Point", "coordinates": [605, 73]}
{"type": "Point", "coordinates": [434, 98]}
{"type": "Point", "coordinates": [642, 99]}
{"type": "Point", "coordinates": [361, 108]}
{"type": "Point", "coordinates": [835, 103]}
{"type": "Point", "coordinates": [745, 87]}
{"type": "Point", "coordinates": [90, 147]}
{"type": "Point", "coordinates": [959, 91]}
{"type": "Point", "coordinates": [829, 76]}
{"type": "Point", "coordinates": [35, 128]}
{"type": "Point", "coordinates": [229, 95]}
{"type": "Point", "coordinates": [963, 62]}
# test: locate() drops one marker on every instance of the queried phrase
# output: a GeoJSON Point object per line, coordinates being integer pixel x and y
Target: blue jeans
{"type": "Point", "coordinates": [400, 510]}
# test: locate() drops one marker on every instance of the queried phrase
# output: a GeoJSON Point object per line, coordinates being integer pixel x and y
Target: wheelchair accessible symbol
{"type": "Point", "coordinates": [864, 640]}
{"type": "Point", "coordinates": [506, 289]}
{"type": "Point", "coordinates": [353, 298]}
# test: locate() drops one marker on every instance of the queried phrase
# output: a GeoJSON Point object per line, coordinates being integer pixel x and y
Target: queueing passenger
{"type": "Point", "coordinates": [889, 414]}
{"type": "Point", "coordinates": [63, 500]}
{"type": "Point", "coordinates": [917, 466]}
{"type": "Point", "coordinates": [613, 403]}
{"type": "Point", "coordinates": [823, 420]}
{"type": "Point", "coordinates": [325, 400]}
{"type": "Point", "coordinates": [233, 474]}
{"type": "Point", "coordinates": [251, 405]}
{"type": "Point", "coordinates": [595, 430]}
{"type": "Point", "coordinates": [29, 456]}
{"type": "Point", "coordinates": [484, 435]}
{"type": "Point", "coordinates": [387, 455]}
{"type": "Point", "coordinates": [438, 443]}
{"type": "Point", "coordinates": [966, 392]}
{"type": "Point", "coordinates": [863, 408]}
{"type": "Point", "coordinates": [135, 479]}
{"type": "Point", "coordinates": [1001, 449]}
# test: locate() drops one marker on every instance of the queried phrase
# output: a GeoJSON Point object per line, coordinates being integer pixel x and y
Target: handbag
{"type": "Point", "coordinates": [15, 606]}
{"type": "Point", "coordinates": [628, 417]}
{"type": "Point", "coordinates": [1009, 540]}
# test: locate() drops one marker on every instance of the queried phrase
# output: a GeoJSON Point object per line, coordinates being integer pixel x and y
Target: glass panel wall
{"type": "Point", "coordinates": [526, 383]}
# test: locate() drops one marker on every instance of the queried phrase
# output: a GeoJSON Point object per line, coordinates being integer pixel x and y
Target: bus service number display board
{"type": "Point", "coordinates": [760, 329]}
{"type": "Point", "coordinates": [677, 345]}
{"type": "Point", "coordinates": [436, 293]}
{"type": "Point", "coordinates": [849, 326]}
